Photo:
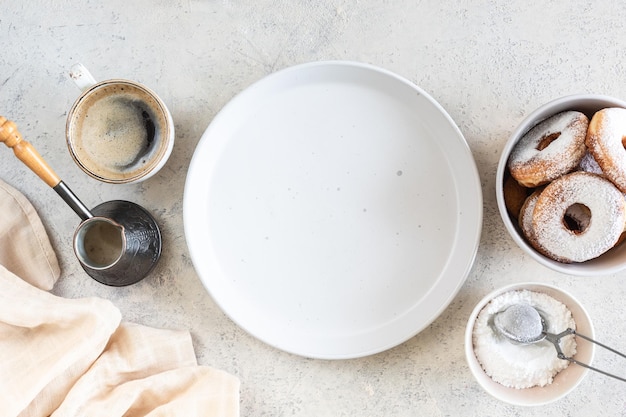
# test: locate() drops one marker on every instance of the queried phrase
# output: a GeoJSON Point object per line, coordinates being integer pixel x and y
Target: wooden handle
{"type": "Point", "coordinates": [26, 152]}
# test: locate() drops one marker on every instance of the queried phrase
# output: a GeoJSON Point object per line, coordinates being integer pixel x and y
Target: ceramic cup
{"type": "Point", "coordinates": [118, 131]}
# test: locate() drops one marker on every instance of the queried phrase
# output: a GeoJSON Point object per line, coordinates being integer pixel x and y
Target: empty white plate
{"type": "Point", "coordinates": [333, 210]}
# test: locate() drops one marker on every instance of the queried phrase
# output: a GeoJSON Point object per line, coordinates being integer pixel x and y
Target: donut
{"type": "Point", "coordinates": [590, 195]}
{"type": "Point", "coordinates": [621, 239]}
{"type": "Point", "coordinates": [514, 195]}
{"type": "Point", "coordinates": [552, 148]}
{"type": "Point", "coordinates": [525, 220]}
{"type": "Point", "coordinates": [605, 141]}
{"type": "Point", "coordinates": [577, 218]}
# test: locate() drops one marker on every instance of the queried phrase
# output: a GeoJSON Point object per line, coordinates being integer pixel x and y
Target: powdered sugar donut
{"type": "Point", "coordinates": [550, 149]}
{"type": "Point", "coordinates": [594, 196]}
{"type": "Point", "coordinates": [576, 218]}
{"type": "Point", "coordinates": [605, 140]}
{"type": "Point", "coordinates": [525, 220]}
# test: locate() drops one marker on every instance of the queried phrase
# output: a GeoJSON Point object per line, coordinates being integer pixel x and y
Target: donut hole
{"type": "Point", "coordinates": [577, 218]}
{"type": "Point", "coordinates": [624, 141]}
{"type": "Point", "coordinates": [547, 140]}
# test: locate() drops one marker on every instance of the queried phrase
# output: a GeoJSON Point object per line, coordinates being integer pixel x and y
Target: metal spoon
{"type": "Point", "coordinates": [522, 323]}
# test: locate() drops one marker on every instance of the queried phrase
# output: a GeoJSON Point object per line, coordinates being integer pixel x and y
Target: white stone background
{"type": "Point", "coordinates": [488, 63]}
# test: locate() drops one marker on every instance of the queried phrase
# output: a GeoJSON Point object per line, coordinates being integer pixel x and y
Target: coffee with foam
{"type": "Point", "coordinates": [119, 132]}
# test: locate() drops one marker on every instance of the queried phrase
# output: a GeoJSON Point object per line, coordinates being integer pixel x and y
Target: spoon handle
{"type": "Point", "coordinates": [592, 368]}
{"type": "Point", "coordinates": [26, 153]}
{"type": "Point", "coordinates": [599, 344]}
{"type": "Point", "coordinates": [556, 338]}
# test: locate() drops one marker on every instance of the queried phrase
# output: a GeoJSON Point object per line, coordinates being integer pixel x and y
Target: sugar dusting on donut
{"type": "Point", "coordinates": [552, 148]}
{"type": "Point", "coordinates": [607, 208]}
{"type": "Point", "coordinates": [525, 221]}
{"type": "Point", "coordinates": [605, 137]}
{"type": "Point", "coordinates": [526, 215]}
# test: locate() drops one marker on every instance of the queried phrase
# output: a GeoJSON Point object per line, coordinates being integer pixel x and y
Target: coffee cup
{"type": "Point", "coordinates": [118, 131]}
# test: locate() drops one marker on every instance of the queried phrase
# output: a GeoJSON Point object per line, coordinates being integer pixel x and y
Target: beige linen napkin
{"type": "Point", "coordinates": [46, 344]}
{"type": "Point", "coordinates": [74, 358]}
{"type": "Point", "coordinates": [151, 372]}
{"type": "Point", "coordinates": [25, 248]}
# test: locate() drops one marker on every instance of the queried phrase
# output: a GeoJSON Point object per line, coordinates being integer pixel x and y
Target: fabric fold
{"type": "Point", "coordinates": [151, 372]}
{"type": "Point", "coordinates": [25, 248]}
{"type": "Point", "coordinates": [47, 343]}
{"type": "Point", "coordinates": [134, 352]}
{"type": "Point", "coordinates": [63, 357]}
{"type": "Point", "coordinates": [192, 391]}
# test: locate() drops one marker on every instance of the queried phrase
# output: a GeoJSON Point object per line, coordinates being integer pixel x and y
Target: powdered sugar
{"type": "Point", "coordinates": [522, 366]}
{"type": "Point", "coordinates": [526, 215]}
{"type": "Point", "coordinates": [534, 163]}
{"type": "Point", "coordinates": [606, 132]}
{"type": "Point", "coordinates": [605, 203]}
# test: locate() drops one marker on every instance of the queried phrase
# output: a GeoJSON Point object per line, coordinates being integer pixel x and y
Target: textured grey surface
{"type": "Point", "coordinates": [489, 63]}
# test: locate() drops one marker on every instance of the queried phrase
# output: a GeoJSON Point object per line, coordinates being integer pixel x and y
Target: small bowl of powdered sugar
{"type": "Point", "coordinates": [528, 374]}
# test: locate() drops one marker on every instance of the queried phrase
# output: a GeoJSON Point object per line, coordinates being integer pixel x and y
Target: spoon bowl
{"type": "Point", "coordinates": [521, 323]}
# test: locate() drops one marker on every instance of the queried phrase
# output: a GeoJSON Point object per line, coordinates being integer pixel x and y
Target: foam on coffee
{"type": "Point", "coordinates": [118, 131]}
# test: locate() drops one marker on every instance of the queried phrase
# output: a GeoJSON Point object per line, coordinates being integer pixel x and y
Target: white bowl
{"type": "Point", "coordinates": [609, 262]}
{"type": "Point", "coordinates": [565, 381]}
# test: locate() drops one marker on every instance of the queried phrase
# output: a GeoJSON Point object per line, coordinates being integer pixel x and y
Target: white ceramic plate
{"type": "Point", "coordinates": [333, 210]}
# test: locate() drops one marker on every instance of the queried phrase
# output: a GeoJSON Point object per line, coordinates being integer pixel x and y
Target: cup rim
{"type": "Point", "coordinates": [159, 159]}
{"type": "Point", "coordinates": [588, 104]}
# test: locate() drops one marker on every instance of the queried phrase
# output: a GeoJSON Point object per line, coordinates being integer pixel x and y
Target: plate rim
{"type": "Point", "coordinates": [476, 211]}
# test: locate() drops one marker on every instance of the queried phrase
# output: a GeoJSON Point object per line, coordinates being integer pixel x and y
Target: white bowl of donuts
{"type": "Point", "coordinates": [561, 185]}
